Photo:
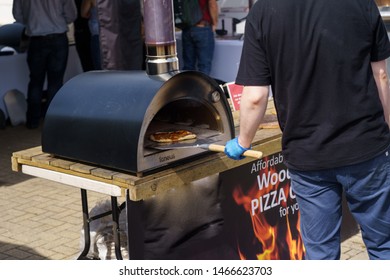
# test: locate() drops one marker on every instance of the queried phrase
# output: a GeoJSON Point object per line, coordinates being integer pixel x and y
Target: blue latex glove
{"type": "Point", "coordinates": [234, 150]}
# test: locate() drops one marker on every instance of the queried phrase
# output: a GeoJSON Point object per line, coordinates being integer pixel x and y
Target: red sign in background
{"type": "Point", "coordinates": [235, 92]}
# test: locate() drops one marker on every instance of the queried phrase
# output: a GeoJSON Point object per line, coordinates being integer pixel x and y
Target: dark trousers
{"type": "Point", "coordinates": [95, 51]}
{"type": "Point", "coordinates": [83, 47]}
{"type": "Point", "coordinates": [46, 58]}
{"type": "Point", "coordinates": [198, 48]}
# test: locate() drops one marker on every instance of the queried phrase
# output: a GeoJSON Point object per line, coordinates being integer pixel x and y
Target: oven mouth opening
{"type": "Point", "coordinates": [184, 114]}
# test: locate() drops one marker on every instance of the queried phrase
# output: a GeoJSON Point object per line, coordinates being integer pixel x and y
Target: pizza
{"type": "Point", "coordinates": [172, 136]}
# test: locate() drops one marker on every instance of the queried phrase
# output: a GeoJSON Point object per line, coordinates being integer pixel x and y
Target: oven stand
{"type": "Point", "coordinates": [115, 211]}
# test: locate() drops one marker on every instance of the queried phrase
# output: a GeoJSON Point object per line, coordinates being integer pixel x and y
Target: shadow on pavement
{"type": "Point", "coordinates": [13, 139]}
{"type": "Point", "coordinates": [18, 252]}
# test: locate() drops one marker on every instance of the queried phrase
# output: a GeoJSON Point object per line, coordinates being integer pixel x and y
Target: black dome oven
{"type": "Point", "coordinates": [106, 118]}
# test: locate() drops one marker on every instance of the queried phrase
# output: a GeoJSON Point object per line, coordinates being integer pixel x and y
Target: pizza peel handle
{"type": "Point", "coordinates": [206, 144]}
{"type": "Point", "coordinates": [248, 153]}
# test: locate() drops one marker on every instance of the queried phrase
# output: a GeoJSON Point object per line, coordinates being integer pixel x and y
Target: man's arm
{"type": "Point", "coordinates": [17, 11]}
{"type": "Point", "coordinates": [253, 105]}
{"type": "Point", "coordinates": [85, 8]}
{"type": "Point", "coordinates": [213, 9]}
{"type": "Point", "coordinates": [254, 102]}
{"type": "Point", "coordinates": [382, 82]}
{"type": "Point", "coordinates": [70, 11]}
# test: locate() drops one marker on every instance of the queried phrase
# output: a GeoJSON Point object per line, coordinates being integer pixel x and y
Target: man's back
{"type": "Point", "coordinates": [43, 17]}
{"type": "Point", "coordinates": [317, 56]}
{"type": "Point", "coordinates": [326, 62]}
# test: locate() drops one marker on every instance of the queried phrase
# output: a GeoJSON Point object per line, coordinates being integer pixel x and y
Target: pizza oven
{"type": "Point", "coordinates": [106, 117]}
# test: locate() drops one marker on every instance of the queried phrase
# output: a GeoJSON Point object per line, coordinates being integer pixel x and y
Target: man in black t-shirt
{"type": "Point", "coordinates": [325, 62]}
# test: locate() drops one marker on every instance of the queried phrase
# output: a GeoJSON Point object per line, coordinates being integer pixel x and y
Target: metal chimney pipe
{"type": "Point", "coordinates": [161, 56]}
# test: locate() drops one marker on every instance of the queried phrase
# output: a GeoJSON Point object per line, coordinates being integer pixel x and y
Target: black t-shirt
{"type": "Point", "coordinates": [317, 55]}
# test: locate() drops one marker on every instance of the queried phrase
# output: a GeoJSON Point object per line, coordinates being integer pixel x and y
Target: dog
{"type": "Point", "coordinates": [102, 246]}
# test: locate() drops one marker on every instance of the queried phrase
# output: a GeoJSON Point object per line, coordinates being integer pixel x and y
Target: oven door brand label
{"type": "Point", "coordinates": [166, 158]}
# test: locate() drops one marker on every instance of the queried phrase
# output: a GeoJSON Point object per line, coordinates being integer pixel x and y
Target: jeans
{"type": "Point", "coordinates": [95, 52]}
{"type": "Point", "coordinates": [83, 46]}
{"type": "Point", "coordinates": [198, 48]}
{"type": "Point", "coordinates": [367, 190]}
{"type": "Point", "coordinates": [47, 57]}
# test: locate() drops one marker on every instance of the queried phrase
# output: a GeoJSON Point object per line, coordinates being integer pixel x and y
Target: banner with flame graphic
{"type": "Point", "coordinates": [261, 212]}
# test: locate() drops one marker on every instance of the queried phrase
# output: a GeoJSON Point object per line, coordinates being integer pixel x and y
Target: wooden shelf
{"type": "Point", "coordinates": [268, 141]}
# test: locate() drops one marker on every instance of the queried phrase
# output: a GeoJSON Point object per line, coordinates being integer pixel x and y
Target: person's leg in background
{"type": "Point", "coordinates": [189, 52]}
{"type": "Point", "coordinates": [205, 43]}
{"type": "Point", "coordinates": [95, 52]}
{"type": "Point", "coordinates": [83, 47]}
{"type": "Point", "coordinates": [56, 66]}
{"type": "Point", "coordinates": [37, 60]}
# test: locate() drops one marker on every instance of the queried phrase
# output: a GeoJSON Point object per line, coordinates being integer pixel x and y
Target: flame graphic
{"type": "Point", "coordinates": [280, 240]}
